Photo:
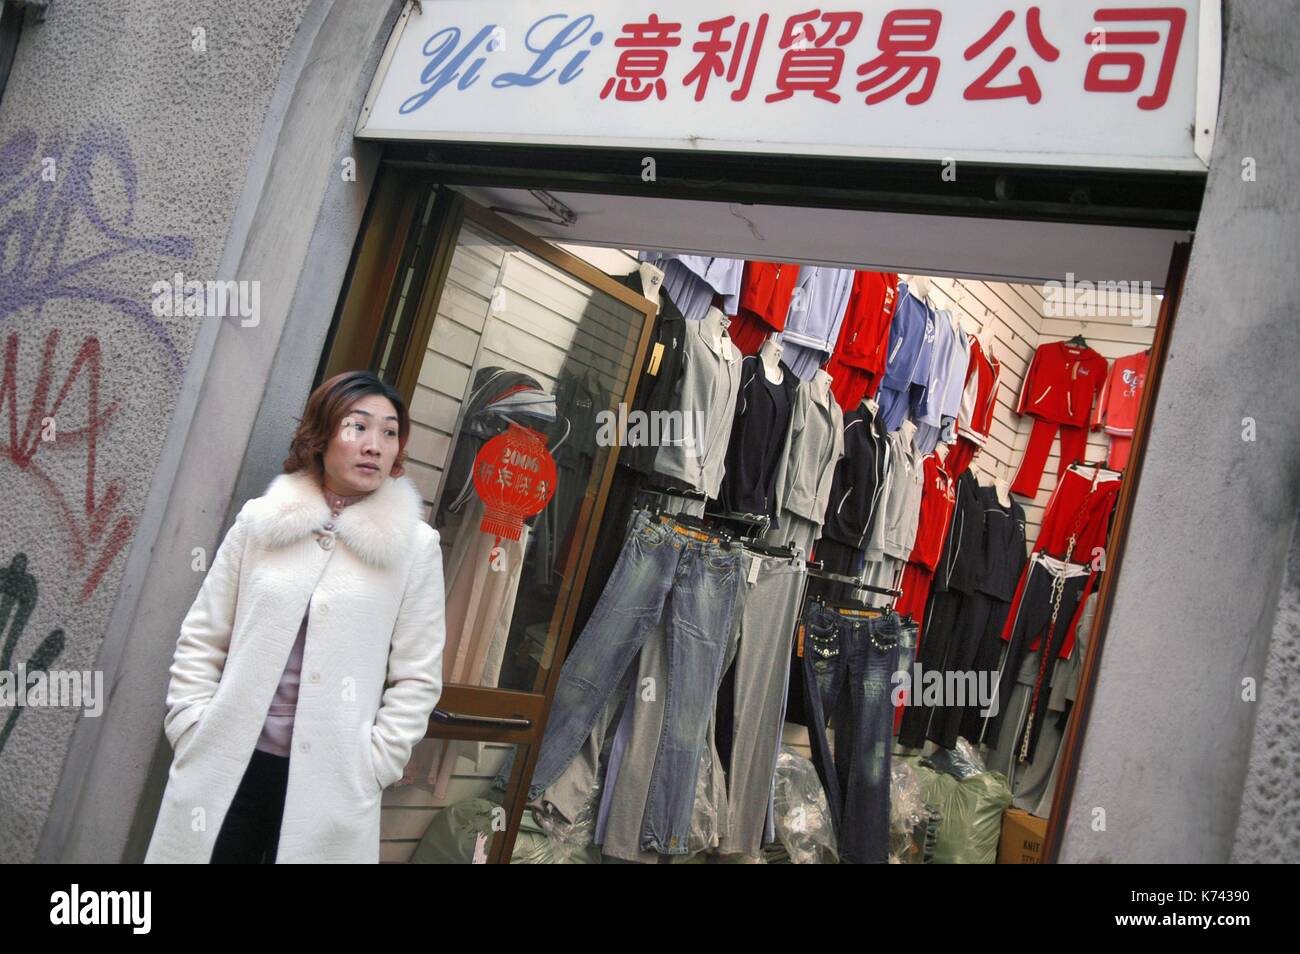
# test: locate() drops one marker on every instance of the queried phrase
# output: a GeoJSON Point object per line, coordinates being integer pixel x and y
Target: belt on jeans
{"type": "Point", "coordinates": [690, 533]}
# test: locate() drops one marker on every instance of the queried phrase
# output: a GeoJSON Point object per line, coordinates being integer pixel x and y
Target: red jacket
{"type": "Point", "coordinates": [1061, 382]}
{"type": "Point", "coordinates": [938, 499]}
{"type": "Point", "coordinates": [864, 335]}
{"type": "Point", "coordinates": [980, 396]}
{"type": "Point", "coordinates": [766, 289]}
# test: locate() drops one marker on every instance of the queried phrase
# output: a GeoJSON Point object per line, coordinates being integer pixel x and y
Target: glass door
{"type": "Point", "coordinates": [507, 349]}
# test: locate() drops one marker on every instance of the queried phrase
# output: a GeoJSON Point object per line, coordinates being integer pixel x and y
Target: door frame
{"type": "Point", "coordinates": [393, 240]}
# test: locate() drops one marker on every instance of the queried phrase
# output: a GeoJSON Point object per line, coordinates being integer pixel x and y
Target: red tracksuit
{"type": "Point", "coordinates": [858, 362]}
{"type": "Point", "coordinates": [1117, 408]}
{"type": "Point", "coordinates": [978, 400]}
{"type": "Point", "coordinates": [1058, 392]}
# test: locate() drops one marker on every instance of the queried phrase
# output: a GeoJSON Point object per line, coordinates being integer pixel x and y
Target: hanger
{"type": "Point", "coordinates": [815, 570]}
{"type": "Point", "coordinates": [1079, 340]}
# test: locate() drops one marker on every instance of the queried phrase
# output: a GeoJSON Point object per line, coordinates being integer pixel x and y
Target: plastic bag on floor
{"type": "Point", "coordinates": [961, 762]}
{"type": "Point", "coordinates": [971, 812]}
{"type": "Point", "coordinates": [803, 819]}
{"type": "Point", "coordinates": [907, 815]}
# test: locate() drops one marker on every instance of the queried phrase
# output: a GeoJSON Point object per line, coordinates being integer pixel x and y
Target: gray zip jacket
{"type": "Point", "coordinates": [816, 444]}
{"type": "Point", "coordinates": [695, 450]}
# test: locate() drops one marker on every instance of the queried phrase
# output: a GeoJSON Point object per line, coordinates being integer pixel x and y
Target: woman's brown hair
{"type": "Point", "coordinates": [327, 407]}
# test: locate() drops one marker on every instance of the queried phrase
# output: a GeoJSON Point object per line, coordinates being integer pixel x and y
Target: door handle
{"type": "Point", "coordinates": [456, 718]}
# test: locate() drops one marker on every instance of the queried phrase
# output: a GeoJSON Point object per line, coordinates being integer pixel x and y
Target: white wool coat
{"type": "Point", "coordinates": [371, 668]}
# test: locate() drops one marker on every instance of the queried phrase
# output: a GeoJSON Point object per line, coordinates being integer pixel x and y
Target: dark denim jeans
{"type": "Point", "coordinates": [848, 667]}
{"type": "Point", "coordinates": [692, 584]}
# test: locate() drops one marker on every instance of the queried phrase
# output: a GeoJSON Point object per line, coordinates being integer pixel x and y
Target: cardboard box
{"type": "Point", "coordinates": [1022, 838]}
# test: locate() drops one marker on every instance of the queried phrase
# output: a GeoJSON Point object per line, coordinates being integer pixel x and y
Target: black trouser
{"type": "Point", "coordinates": [939, 645]}
{"type": "Point", "coordinates": [250, 833]}
{"type": "Point", "coordinates": [1034, 622]}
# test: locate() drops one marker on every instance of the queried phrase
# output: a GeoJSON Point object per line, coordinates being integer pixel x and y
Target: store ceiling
{"type": "Point", "coordinates": [957, 246]}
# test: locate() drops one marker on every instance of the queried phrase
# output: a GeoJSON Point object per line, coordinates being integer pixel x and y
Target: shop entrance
{"type": "Point", "coordinates": [480, 322]}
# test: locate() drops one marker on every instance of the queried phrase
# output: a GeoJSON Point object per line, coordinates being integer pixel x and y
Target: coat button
{"type": "Point", "coordinates": [314, 677]}
{"type": "Point", "coordinates": [304, 746]}
{"type": "Point", "coordinates": [329, 526]}
{"type": "Point", "coordinates": [327, 543]}
{"type": "Point", "coordinates": [321, 608]}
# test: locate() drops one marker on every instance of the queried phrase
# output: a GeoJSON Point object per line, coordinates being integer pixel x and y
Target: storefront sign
{"type": "Point", "coordinates": [1111, 83]}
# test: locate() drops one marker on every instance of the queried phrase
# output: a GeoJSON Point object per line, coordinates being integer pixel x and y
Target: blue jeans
{"type": "Point", "coordinates": [693, 585]}
{"type": "Point", "coordinates": [848, 667]}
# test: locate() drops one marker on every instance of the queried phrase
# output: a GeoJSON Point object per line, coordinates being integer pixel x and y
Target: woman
{"type": "Point", "coordinates": [310, 662]}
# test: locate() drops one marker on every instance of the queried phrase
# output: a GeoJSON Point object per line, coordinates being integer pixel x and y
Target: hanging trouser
{"type": "Point", "coordinates": [749, 716]}
{"type": "Point", "coordinates": [690, 580]}
{"type": "Point", "coordinates": [1051, 593]}
{"type": "Point", "coordinates": [1074, 443]}
{"type": "Point", "coordinates": [848, 669]}
{"type": "Point", "coordinates": [937, 647]}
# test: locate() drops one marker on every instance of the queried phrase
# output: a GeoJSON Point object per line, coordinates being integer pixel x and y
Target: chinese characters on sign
{"type": "Point", "coordinates": [813, 49]}
{"type": "Point", "coordinates": [1121, 83]}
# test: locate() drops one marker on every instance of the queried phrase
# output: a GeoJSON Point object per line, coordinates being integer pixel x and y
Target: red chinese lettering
{"type": "Point", "coordinates": [713, 49]}
{"type": "Point", "coordinates": [815, 70]}
{"type": "Point", "coordinates": [640, 69]}
{"type": "Point", "coordinates": [903, 35]}
{"type": "Point", "coordinates": [1134, 62]}
{"type": "Point", "coordinates": [1028, 87]}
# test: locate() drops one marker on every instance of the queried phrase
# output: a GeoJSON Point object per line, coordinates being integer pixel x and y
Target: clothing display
{"type": "Point", "coordinates": [812, 325]}
{"type": "Point", "coordinates": [1052, 593]}
{"type": "Point", "coordinates": [705, 404]}
{"type": "Point", "coordinates": [1117, 408]}
{"type": "Point", "coordinates": [861, 481]}
{"type": "Point", "coordinates": [946, 385]}
{"type": "Point", "coordinates": [657, 389]}
{"type": "Point", "coordinates": [909, 360]}
{"type": "Point", "coordinates": [859, 359]}
{"type": "Point", "coordinates": [691, 580]}
{"type": "Point", "coordinates": [759, 442]}
{"type": "Point", "coordinates": [765, 292]}
{"type": "Point", "coordinates": [1058, 392]}
{"type": "Point", "coordinates": [702, 637]}
{"type": "Point", "coordinates": [806, 470]}
{"type": "Point", "coordinates": [693, 281]}
{"type": "Point", "coordinates": [848, 669]}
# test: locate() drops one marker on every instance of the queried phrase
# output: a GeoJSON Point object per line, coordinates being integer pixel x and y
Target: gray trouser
{"type": "Point", "coordinates": [765, 630]}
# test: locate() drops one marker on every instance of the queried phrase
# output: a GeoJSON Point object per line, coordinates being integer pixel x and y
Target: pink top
{"type": "Point", "coordinates": [277, 730]}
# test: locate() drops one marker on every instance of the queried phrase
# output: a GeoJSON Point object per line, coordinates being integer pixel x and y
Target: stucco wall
{"type": "Point", "coordinates": [150, 140]}
{"type": "Point", "coordinates": [1165, 759]}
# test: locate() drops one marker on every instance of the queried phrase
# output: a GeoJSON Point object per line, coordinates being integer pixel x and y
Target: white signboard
{"type": "Point", "coordinates": [1106, 83]}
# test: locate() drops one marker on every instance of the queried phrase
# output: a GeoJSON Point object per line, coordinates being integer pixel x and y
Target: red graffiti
{"type": "Point", "coordinates": [87, 526]}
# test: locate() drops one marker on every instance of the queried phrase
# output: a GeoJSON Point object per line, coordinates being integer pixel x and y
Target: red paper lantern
{"type": "Point", "coordinates": [514, 475]}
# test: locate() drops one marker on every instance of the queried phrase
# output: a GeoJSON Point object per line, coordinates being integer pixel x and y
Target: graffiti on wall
{"type": "Point", "coordinates": [18, 594]}
{"type": "Point", "coordinates": [67, 230]}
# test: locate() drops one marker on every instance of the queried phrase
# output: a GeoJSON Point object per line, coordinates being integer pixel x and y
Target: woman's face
{"type": "Point", "coordinates": [361, 453]}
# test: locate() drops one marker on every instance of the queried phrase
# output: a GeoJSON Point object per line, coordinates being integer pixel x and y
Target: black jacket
{"type": "Point", "coordinates": [655, 392]}
{"type": "Point", "coordinates": [857, 490]}
{"type": "Point", "coordinates": [1005, 550]}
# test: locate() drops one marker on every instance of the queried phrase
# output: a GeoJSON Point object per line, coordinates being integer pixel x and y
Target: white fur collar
{"type": "Point", "coordinates": [380, 529]}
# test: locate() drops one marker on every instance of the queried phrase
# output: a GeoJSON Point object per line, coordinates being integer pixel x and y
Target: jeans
{"type": "Point", "coordinates": [848, 667]}
{"type": "Point", "coordinates": [250, 832]}
{"type": "Point", "coordinates": [690, 581]}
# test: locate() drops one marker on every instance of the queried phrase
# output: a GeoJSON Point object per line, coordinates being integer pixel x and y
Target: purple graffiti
{"type": "Point", "coordinates": [37, 216]}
